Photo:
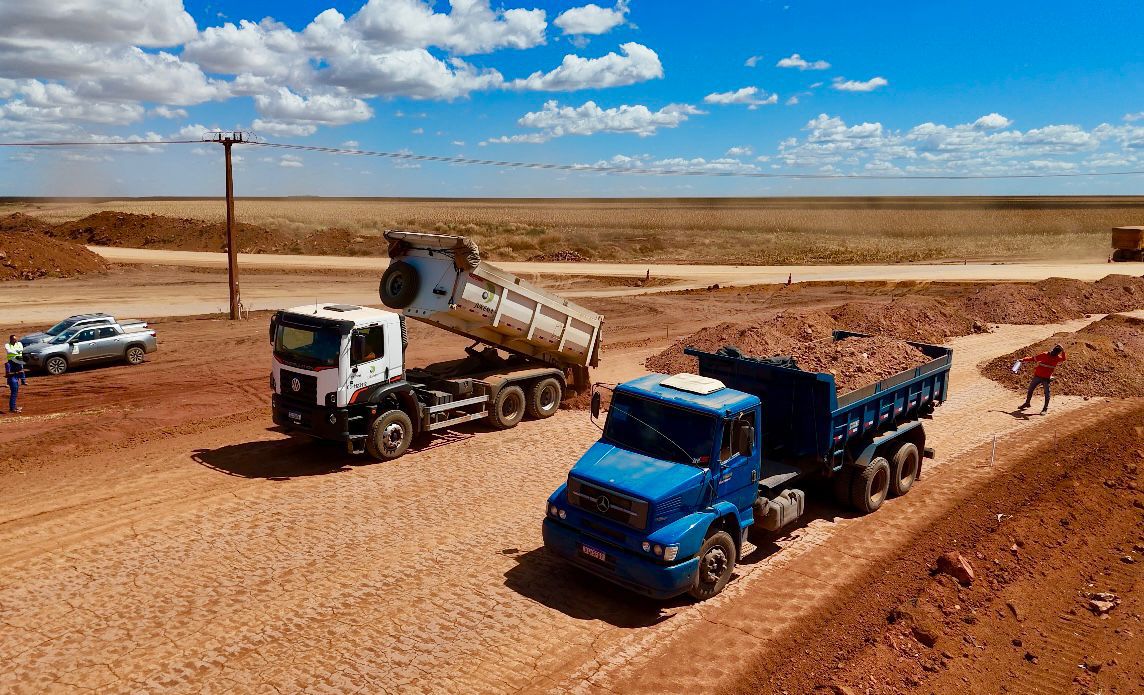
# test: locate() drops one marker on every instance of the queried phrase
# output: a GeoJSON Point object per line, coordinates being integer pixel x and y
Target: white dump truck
{"type": "Point", "coordinates": [339, 370]}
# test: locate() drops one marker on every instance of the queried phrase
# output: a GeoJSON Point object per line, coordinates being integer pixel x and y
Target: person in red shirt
{"type": "Point", "coordinates": [1043, 374]}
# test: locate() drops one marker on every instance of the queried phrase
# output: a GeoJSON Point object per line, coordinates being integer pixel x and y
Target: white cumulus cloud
{"type": "Point", "coordinates": [637, 64]}
{"type": "Point", "coordinates": [752, 96]}
{"type": "Point", "coordinates": [555, 121]}
{"type": "Point", "coordinates": [844, 85]}
{"type": "Point", "coordinates": [992, 121]}
{"type": "Point", "coordinates": [797, 61]}
{"type": "Point", "coordinates": [592, 19]}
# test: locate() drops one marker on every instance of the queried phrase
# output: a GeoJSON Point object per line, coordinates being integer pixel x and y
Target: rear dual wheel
{"type": "Point", "coordinates": [544, 398]}
{"type": "Point", "coordinates": [508, 408]}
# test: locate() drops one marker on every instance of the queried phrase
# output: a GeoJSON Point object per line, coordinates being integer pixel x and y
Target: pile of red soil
{"type": "Point", "coordinates": [854, 362]}
{"type": "Point", "coordinates": [25, 256]}
{"type": "Point", "coordinates": [912, 317]}
{"type": "Point", "coordinates": [1105, 358]}
{"type": "Point", "coordinates": [1054, 300]}
{"type": "Point", "coordinates": [174, 233]}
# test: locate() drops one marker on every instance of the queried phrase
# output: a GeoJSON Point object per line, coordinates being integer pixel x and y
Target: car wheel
{"type": "Point", "coordinates": [56, 365]}
{"type": "Point", "coordinates": [135, 355]}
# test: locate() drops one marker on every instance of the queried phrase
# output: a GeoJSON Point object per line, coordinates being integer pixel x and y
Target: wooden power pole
{"type": "Point", "coordinates": [227, 139]}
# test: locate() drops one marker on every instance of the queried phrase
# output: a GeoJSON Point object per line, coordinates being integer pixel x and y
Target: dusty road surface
{"type": "Point", "coordinates": [155, 534]}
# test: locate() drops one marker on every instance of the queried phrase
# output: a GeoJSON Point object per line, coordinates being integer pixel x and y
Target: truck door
{"type": "Point", "coordinates": [106, 344]}
{"type": "Point", "coordinates": [84, 345]}
{"type": "Point", "coordinates": [739, 479]}
{"type": "Point", "coordinates": [367, 357]}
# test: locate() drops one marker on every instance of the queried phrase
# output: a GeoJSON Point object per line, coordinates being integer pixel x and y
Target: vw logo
{"type": "Point", "coordinates": [603, 504]}
{"type": "Point", "coordinates": [296, 385]}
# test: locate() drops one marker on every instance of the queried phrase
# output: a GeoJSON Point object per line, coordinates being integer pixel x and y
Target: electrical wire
{"type": "Point", "coordinates": [593, 168]}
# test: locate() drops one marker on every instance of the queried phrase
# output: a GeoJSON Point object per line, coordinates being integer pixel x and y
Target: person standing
{"type": "Point", "coordinates": [1043, 374]}
{"type": "Point", "coordinates": [14, 352]}
{"type": "Point", "coordinates": [12, 373]}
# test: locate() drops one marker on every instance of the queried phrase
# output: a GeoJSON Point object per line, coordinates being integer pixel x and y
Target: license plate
{"type": "Point", "coordinates": [593, 553]}
{"type": "Point", "coordinates": [294, 416]}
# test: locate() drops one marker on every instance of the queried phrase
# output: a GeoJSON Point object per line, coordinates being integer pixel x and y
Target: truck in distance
{"type": "Point", "coordinates": [687, 464]}
{"type": "Point", "coordinates": [88, 343]}
{"type": "Point", "coordinates": [339, 371]}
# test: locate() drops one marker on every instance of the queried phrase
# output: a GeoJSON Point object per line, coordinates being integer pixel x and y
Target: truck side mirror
{"type": "Point", "coordinates": [597, 402]}
{"type": "Point", "coordinates": [744, 439]}
{"type": "Point", "coordinates": [273, 327]}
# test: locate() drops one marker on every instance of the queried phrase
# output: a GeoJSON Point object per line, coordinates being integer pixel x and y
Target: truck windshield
{"type": "Point", "coordinates": [660, 430]}
{"type": "Point", "coordinates": [64, 337]}
{"type": "Point", "coordinates": [316, 347]}
{"type": "Point", "coordinates": [62, 326]}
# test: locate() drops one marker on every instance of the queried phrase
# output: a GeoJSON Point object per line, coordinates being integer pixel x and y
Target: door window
{"type": "Point", "coordinates": [370, 346]}
{"type": "Point", "coordinates": [107, 332]}
{"type": "Point", "coordinates": [727, 450]}
{"type": "Point", "coordinates": [85, 335]}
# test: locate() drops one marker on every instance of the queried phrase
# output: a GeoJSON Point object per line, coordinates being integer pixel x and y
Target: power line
{"type": "Point", "coordinates": [601, 168]}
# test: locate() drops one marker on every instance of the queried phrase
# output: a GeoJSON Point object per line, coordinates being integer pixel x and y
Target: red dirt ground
{"type": "Point", "coordinates": [1105, 358]}
{"type": "Point", "coordinates": [1060, 526]}
{"type": "Point", "coordinates": [1054, 300]}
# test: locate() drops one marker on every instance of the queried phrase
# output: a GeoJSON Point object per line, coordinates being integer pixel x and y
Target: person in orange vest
{"type": "Point", "coordinates": [1043, 374]}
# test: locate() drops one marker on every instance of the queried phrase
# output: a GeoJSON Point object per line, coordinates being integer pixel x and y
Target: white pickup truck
{"type": "Point", "coordinates": [339, 372]}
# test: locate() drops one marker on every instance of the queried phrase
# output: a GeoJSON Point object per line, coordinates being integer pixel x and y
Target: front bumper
{"type": "Point", "coordinates": [623, 567]}
{"type": "Point", "coordinates": [314, 420]}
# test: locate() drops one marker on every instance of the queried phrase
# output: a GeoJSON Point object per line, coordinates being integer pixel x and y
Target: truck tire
{"type": "Point", "coordinates": [56, 365]}
{"type": "Point", "coordinates": [904, 468]}
{"type": "Point", "coordinates": [399, 285]}
{"type": "Point", "coordinates": [389, 435]}
{"type": "Point", "coordinates": [716, 563]}
{"type": "Point", "coordinates": [870, 486]}
{"type": "Point", "coordinates": [135, 355]}
{"type": "Point", "coordinates": [544, 398]}
{"type": "Point", "coordinates": [508, 408]}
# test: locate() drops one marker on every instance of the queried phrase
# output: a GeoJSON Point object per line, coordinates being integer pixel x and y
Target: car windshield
{"type": "Point", "coordinates": [660, 430]}
{"type": "Point", "coordinates": [61, 326]}
{"type": "Point", "coordinates": [64, 337]}
{"type": "Point", "coordinates": [316, 347]}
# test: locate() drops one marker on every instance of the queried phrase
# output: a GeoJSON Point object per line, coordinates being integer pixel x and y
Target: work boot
{"type": "Point", "coordinates": [1044, 410]}
{"type": "Point", "coordinates": [17, 410]}
{"type": "Point", "coordinates": [1023, 406]}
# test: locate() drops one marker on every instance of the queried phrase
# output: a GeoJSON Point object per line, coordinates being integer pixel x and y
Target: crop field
{"type": "Point", "coordinates": [747, 231]}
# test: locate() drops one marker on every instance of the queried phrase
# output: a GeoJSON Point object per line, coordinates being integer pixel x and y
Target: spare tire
{"type": "Point", "coordinates": [399, 285]}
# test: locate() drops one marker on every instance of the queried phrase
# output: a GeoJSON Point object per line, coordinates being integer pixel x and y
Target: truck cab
{"type": "Point", "coordinates": [326, 357]}
{"type": "Point", "coordinates": [660, 503]}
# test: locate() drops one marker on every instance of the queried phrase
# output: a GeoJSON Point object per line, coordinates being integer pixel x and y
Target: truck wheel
{"type": "Point", "coordinates": [716, 563]}
{"type": "Point", "coordinates": [56, 365]}
{"type": "Point", "coordinates": [399, 285]}
{"type": "Point", "coordinates": [544, 398]}
{"type": "Point", "coordinates": [508, 408]}
{"type": "Point", "coordinates": [870, 485]}
{"type": "Point", "coordinates": [904, 468]}
{"type": "Point", "coordinates": [135, 355]}
{"type": "Point", "coordinates": [389, 435]}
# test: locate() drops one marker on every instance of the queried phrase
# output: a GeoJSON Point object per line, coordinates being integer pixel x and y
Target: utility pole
{"type": "Point", "coordinates": [227, 139]}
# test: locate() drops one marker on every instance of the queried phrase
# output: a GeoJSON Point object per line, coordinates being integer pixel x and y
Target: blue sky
{"type": "Point", "coordinates": [898, 89]}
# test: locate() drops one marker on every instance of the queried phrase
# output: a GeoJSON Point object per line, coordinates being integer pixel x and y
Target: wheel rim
{"type": "Point", "coordinates": [396, 285]}
{"type": "Point", "coordinates": [392, 437]}
{"type": "Point", "coordinates": [510, 406]}
{"type": "Point", "coordinates": [547, 398]}
{"type": "Point", "coordinates": [878, 486]}
{"type": "Point", "coordinates": [135, 355]}
{"type": "Point", "coordinates": [56, 366]}
{"type": "Point", "coordinates": [713, 566]}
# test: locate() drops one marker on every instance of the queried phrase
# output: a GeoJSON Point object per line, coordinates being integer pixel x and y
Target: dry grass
{"type": "Point", "coordinates": [734, 231]}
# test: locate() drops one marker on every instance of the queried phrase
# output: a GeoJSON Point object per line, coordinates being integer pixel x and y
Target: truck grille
{"type": "Point", "coordinates": [607, 503]}
{"type": "Point", "coordinates": [307, 391]}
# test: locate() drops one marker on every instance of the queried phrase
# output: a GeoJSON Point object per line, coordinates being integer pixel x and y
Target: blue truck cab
{"type": "Point", "coordinates": [687, 463]}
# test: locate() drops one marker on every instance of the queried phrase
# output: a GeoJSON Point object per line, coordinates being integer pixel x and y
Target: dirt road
{"type": "Point", "coordinates": [166, 539]}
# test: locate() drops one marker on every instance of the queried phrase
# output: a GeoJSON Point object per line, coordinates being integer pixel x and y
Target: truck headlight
{"type": "Point", "coordinates": [658, 549]}
{"type": "Point", "coordinates": [552, 509]}
{"type": "Point", "coordinates": [646, 547]}
{"type": "Point", "coordinates": [669, 552]}
{"type": "Point", "coordinates": [563, 514]}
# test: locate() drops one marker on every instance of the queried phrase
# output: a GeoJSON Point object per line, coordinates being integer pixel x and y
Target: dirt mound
{"type": "Point", "coordinates": [1054, 300]}
{"type": "Point", "coordinates": [1105, 358]}
{"type": "Point", "coordinates": [854, 362]}
{"type": "Point", "coordinates": [19, 222]}
{"type": "Point", "coordinates": [913, 317]}
{"type": "Point", "coordinates": [339, 242]}
{"type": "Point", "coordinates": [28, 256]}
{"type": "Point", "coordinates": [774, 336]}
{"type": "Point", "coordinates": [174, 233]}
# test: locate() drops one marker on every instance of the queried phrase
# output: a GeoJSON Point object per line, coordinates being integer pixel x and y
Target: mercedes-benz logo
{"type": "Point", "coordinates": [603, 504]}
{"type": "Point", "coordinates": [296, 385]}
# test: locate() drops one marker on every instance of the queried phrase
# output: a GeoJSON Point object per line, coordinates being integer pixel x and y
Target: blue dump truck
{"type": "Point", "coordinates": [686, 464]}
